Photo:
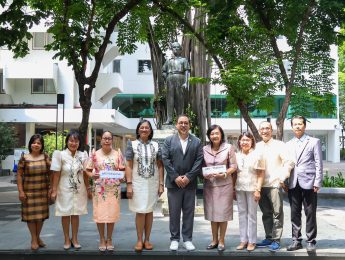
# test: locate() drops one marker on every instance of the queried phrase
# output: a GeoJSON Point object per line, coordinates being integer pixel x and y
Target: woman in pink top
{"type": "Point", "coordinates": [218, 187]}
{"type": "Point", "coordinates": [106, 191]}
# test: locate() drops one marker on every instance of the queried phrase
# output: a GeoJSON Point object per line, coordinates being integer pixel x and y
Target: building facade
{"type": "Point", "coordinates": [124, 92]}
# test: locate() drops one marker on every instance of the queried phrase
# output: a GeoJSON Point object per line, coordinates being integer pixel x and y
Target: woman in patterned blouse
{"type": "Point", "coordinates": [33, 183]}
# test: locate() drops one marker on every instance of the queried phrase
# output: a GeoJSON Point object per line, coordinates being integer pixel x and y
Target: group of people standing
{"type": "Point", "coordinates": [254, 175]}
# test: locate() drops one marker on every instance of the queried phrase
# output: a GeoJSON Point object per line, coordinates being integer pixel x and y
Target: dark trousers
{"type": "Point", "coordinates": [308, 198]}
{"type": "Point", "coordinates": [181, 200]}
{"type": "Point", "coordinates": [271, 205]}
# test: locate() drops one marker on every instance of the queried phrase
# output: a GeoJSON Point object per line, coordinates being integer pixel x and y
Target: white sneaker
{"type": "Point", "coordinates": [174, 245]}
{"type": "Point", "coordinates": [189, 246]}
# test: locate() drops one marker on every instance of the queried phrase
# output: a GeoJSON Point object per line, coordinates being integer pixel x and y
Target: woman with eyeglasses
{"type": "Point", "coordinates": [33, 180]}
{"type": "Point", "coordinates": [250, 176]}
{"type": "Point", "coordinates": [70, 187]}
{"type": "Point", "coordinates": [145, 181]}
{"type": "Point", "coordinates": [218, 186]}
{"type": "Point", "coordinates": [103, 168]}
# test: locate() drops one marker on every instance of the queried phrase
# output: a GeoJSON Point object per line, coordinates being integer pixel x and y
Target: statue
{"type": "Point", "coordinates": [176, 74]}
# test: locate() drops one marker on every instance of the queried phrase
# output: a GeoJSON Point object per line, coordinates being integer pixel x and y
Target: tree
{"type": "Point", "coordinates": [81, 31]}
{"type": "Point", "coordinates": [243, 39]}
{"type": "Point", "coordinates": [15, 20]}
{"type": "Point", "coordinates": [341, 70]}
{"type": "Point", "coordinates": [8, 141]}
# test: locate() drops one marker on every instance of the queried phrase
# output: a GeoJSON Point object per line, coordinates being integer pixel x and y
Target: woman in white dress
{"type": "Point", "coordinates": [70, 187]}
{"type": "Point", "coordinates": [145, 176]}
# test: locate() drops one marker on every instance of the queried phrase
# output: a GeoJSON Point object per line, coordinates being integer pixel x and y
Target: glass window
{"type": "Point", "coordinates": [37, 86]}
{"type": "Point", "coordinates": [50, 38]}
{"type": "Point", "coordinates": [41, 86]}
{"type": "Point", "coordinates": [117, 66]}
{"type": "Point", "coordinates": [2, 91]}
{"type": "Point", "coordinates": [144, 66]}
{"type": "Point", "coordinates": [38, 40]}
{"type": "Point", "coordinates": [49, 86]}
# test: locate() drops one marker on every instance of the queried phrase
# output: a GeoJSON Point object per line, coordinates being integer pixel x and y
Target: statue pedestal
{"type": "Point", "coordinates": [159, 136]}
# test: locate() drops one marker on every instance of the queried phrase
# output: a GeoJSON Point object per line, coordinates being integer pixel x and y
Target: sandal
{"type": "Point", "coordinates": [241, 246]}
{"type": "Point", "coordinates": [251, 247]}
{"type": "Point", "coordinates": [101, 247]}
{"type": "Point", "coordinates": [148, 245]}
{"type": "Point", "coordinates": [110, 246]}
{"type": "Point", "coordinates": [41, 243]}
{"type": "Point", "coordinates": [138, 247]}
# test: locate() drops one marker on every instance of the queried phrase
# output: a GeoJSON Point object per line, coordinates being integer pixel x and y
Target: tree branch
{"type": "Point", "coordinates": [109, 30]}
{"type": "Point", "coordinates": [174, 14]}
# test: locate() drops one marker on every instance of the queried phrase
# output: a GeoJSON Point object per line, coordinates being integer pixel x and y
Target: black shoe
{"type": "Point", "coordinates": [294, 246]}
{"type": "Point", "coordinates": [311, 247]}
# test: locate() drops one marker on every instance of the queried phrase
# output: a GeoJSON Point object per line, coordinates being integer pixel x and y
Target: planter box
{"type": "Point", "coordinates": [332, 192]}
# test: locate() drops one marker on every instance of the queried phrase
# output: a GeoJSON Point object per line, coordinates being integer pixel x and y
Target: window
{"type": "Point", "coordinates": [144, 66]}
{"type": "Point", "coordinates": [40, 39]}
{"type": "Point", "coordinates": [42, 86]}
{"type": "Point", "coordinates": [117, 66]}
{"type": "Point", "coordinates": [2, 91]}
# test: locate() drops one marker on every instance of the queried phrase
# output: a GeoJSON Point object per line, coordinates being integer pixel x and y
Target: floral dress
{"type": "Point", "coordinates": [106, 191]}
{"type": "Point", "coordinates": [71, 196]}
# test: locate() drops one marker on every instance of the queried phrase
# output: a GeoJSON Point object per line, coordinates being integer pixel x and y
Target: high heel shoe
{"type": "Point", "coordinates": [41, 243]}
{"type": "Point", "coordinates": [109, 245]}
{"type": "Point", "coordinates": [34, 247]}
{"type": "Point", "coordinates": [102, 248]}
{"type": "Point", "coordinates": [75, 246]}
{"type": "Point", "coordinates": [138, 247]}
{"type": "Point", "coordinates": [241, 246]}
{"type": "Point", "coordinates": [68, 246]}
{"type": "Point", "coordinates": [148, 245]}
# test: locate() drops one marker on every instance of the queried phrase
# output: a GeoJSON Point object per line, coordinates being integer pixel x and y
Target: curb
{"type": "Point", "coordinates": [332, 192]}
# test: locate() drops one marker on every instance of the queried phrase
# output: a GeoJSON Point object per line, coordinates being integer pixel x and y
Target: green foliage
{"type": "Point", "coordinates": [337, 181]}
{"type": "Point", "coordinates": [15, 20]}
{"type": "Point", "coordinates": [192, 117]}
{"type": "Point", "coordinates": [8, 140]}
{"type": "Point", "coordinates": [50, 143]}
{"type": "Point", "coordinates": [341, 71]}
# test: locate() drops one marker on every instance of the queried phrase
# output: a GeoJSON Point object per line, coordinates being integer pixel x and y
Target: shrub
{"type": "Point", "coordinates": [334, 181]}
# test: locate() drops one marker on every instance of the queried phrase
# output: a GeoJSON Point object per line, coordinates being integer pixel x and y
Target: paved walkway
{"type": "Point", "coordinates": [15, 236]}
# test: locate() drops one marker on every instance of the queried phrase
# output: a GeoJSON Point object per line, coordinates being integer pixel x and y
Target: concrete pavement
{"type": "Point", "coordinates": [15, 236]}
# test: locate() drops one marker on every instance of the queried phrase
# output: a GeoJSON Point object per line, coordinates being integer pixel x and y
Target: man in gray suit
{"type": "Point", "coordinates": [304, 183]}
{"type": "Point", "coordinates": [182, 157]}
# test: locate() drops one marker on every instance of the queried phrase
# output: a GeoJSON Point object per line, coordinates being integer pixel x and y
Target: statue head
{"type": "Point", "coordinates": [176, 48]}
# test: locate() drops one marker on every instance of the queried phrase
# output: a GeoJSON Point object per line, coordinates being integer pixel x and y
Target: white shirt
{"type": "Point", "coordinates": [279, 161]}
{"type": "Point", "coordinates": [184, 143]}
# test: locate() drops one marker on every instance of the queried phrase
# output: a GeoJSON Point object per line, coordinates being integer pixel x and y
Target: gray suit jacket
{"type": "Point", "coordinates": [308, 163]}
{"type": "Point", "coordinates": [176, 163]}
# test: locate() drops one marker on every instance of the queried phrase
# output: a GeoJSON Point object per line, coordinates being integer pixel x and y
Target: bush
{"type": "Point", "coordinates": [50, 142]}
{"type": "Point", "coordinates": [334, 181]}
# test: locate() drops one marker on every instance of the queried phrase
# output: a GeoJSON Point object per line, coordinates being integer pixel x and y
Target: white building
{"type": "Point", "coordinates": [29, 88]}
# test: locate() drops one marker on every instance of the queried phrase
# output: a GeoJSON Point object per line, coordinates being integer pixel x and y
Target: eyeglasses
{"type": "Point", "coordinates": [107, 138]}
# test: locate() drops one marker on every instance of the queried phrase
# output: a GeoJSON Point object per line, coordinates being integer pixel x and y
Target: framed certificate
{"type": "Point", "coordinates": [213, 169]}
{"type": "Point", "coordinates": [111, 174]}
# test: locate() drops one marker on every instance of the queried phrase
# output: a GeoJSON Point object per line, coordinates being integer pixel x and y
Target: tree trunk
{"type": "Point", "coordinates": [157, 58]}
{"type": "Point", "coordinates": [200, 93]}
{"type": "Point", "coordinates": [245, 113]}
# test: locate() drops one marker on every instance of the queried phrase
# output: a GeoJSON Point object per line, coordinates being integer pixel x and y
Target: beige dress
{"type": "Point", "coordinates": [218, 193]}
{"type": "Point", "coordinates": [71, 196]}
{"type": "Point", "coordinates": [106, 191]}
